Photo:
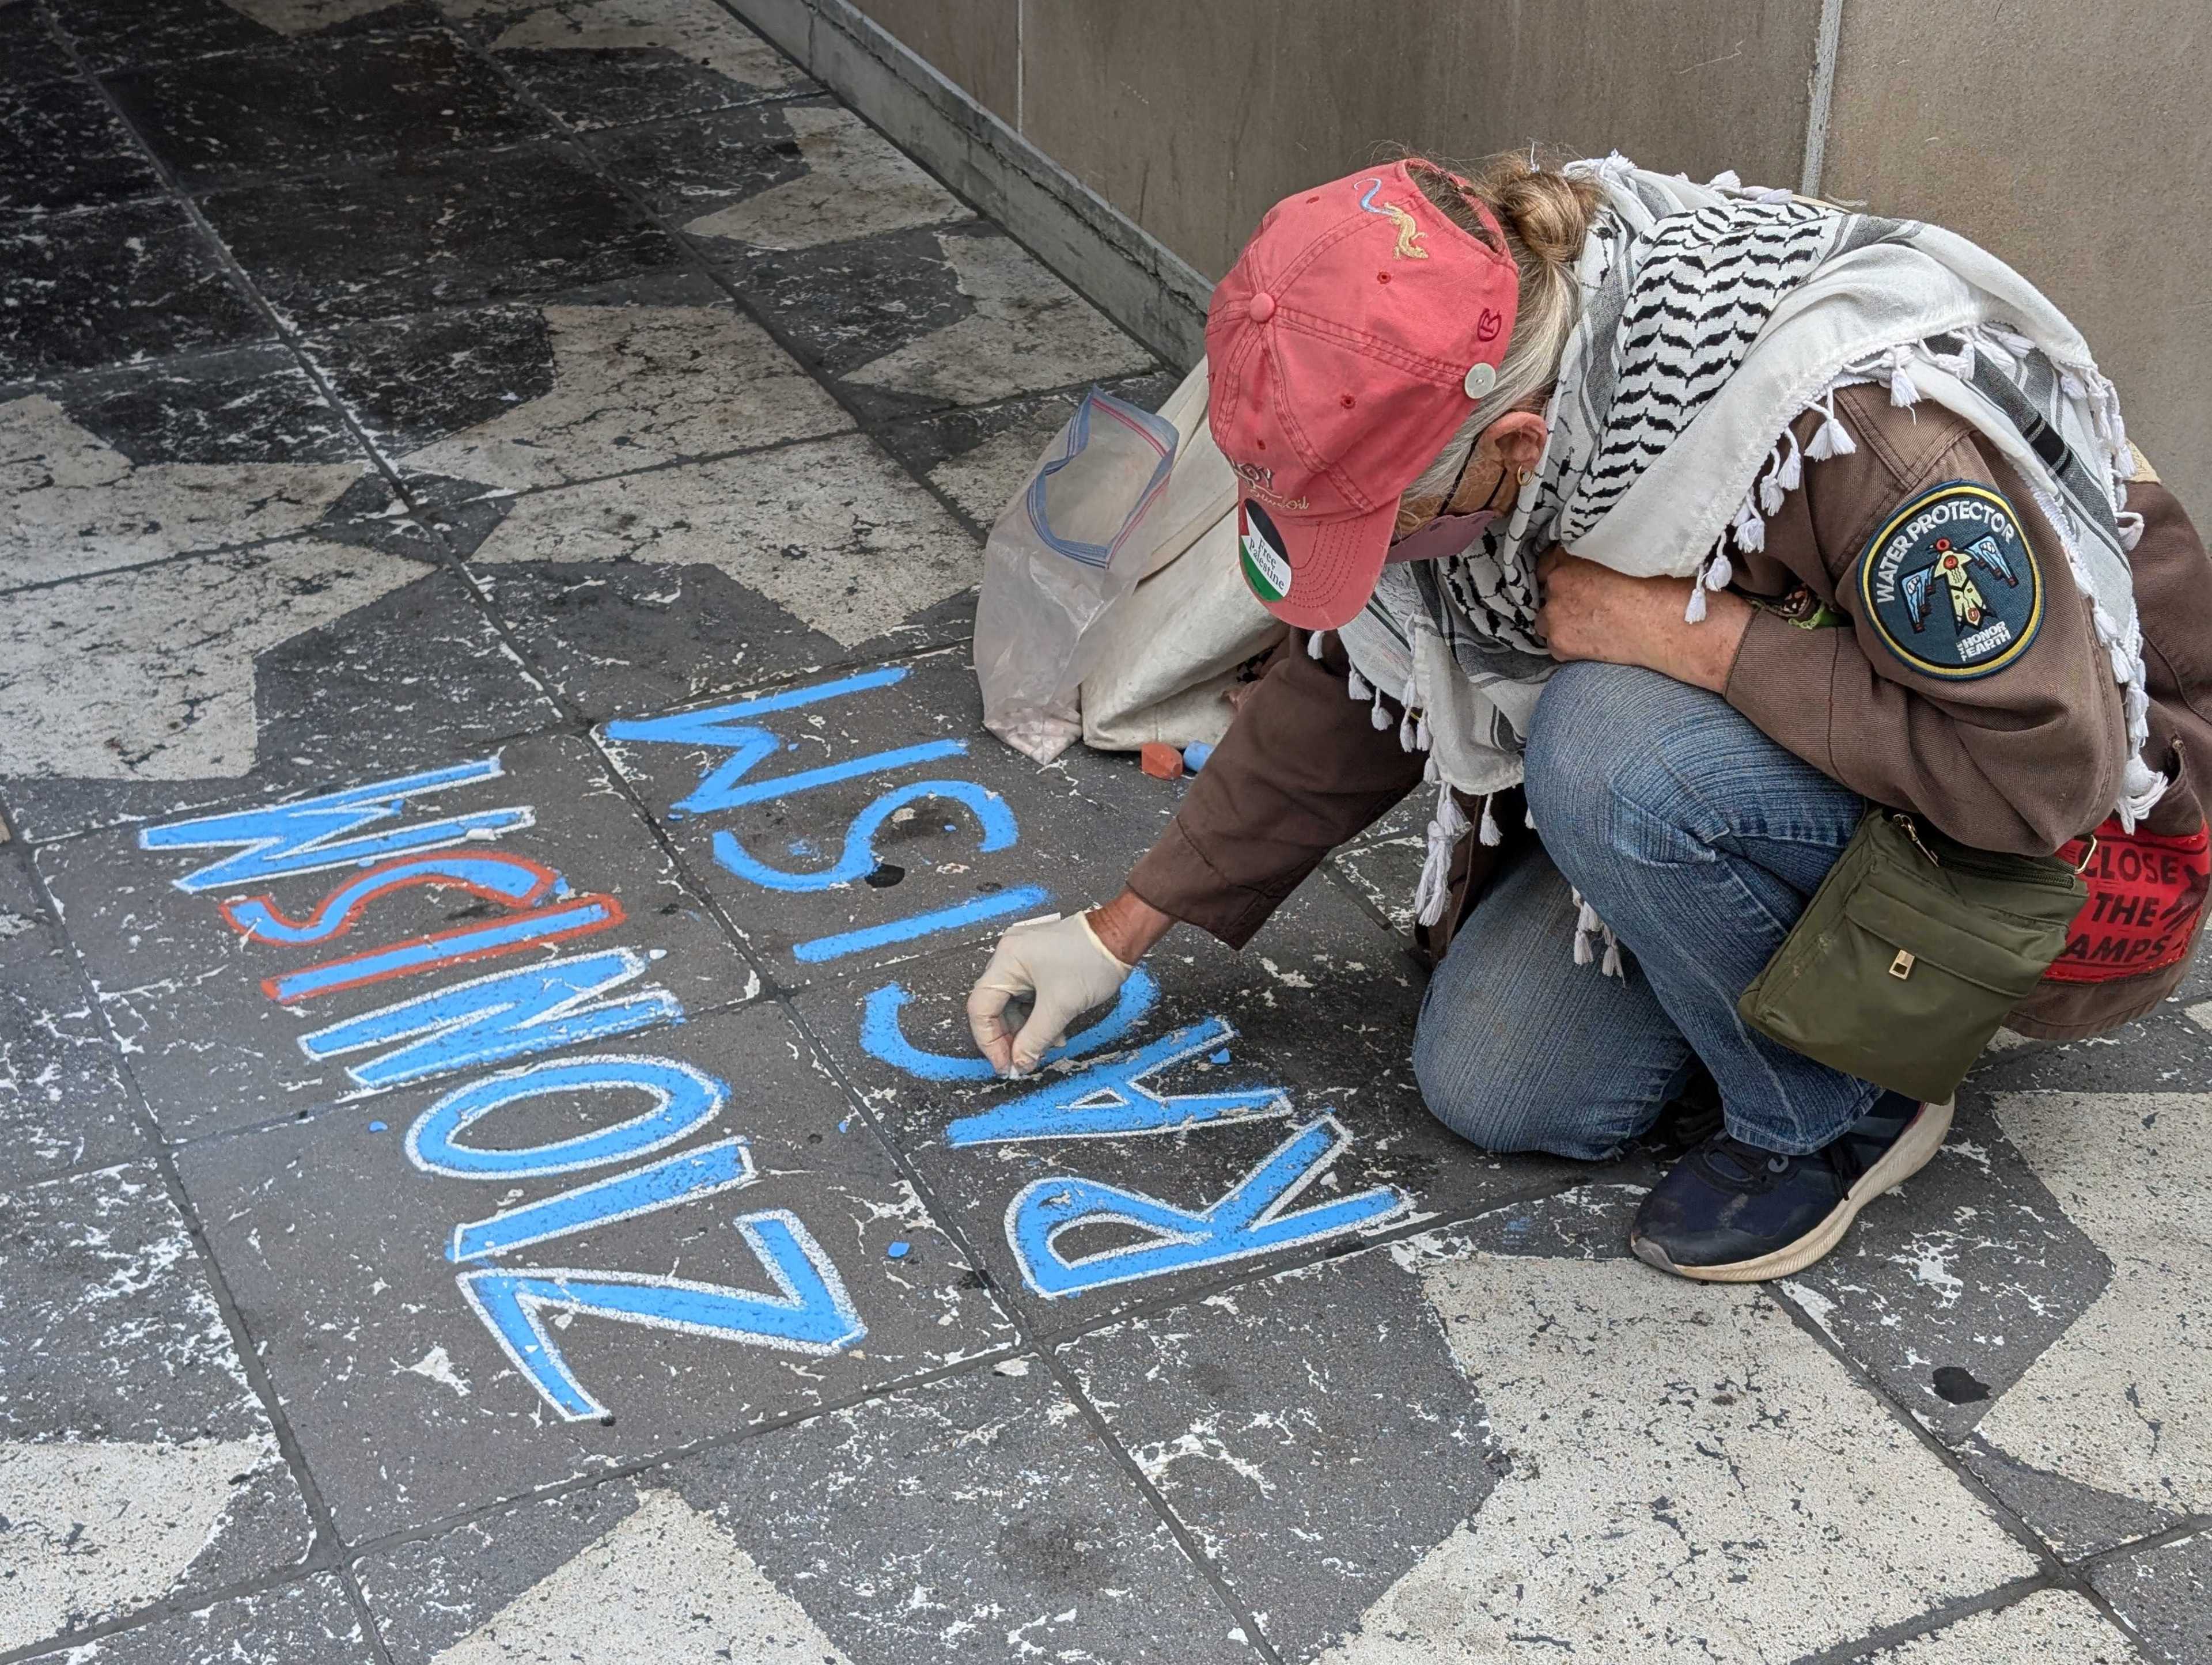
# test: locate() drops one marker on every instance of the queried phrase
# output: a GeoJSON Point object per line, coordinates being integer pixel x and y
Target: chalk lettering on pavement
{"type": "Point", "coordinates": [685, 1099]}
{"type": "Point", "coordinates": [723, 1166]}
{"type": "Point", "coordinates": [1249, 1220]}
{"type": "Point", "coordinates": [489, 1020]}
{"type": "Point", "coordinates": [809, 1312]}
{"type": "Point", "coordinates": [1111, 1100]}
{"type": "Point", "coordinates": [311, 836]}
{"type": "Point", "coordinates": [882, 1039]}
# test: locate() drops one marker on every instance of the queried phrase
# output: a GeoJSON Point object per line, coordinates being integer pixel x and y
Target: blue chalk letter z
{"type": "Point", "coordinates": [810, 1313]}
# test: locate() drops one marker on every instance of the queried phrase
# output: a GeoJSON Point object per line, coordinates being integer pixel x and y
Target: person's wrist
{"type": "Point", "coordinates": [1128, 927]}
{"type": "Point", "coordinates": [1700, 653]}
{"type": "Point", "coordinates": [1716, 640]}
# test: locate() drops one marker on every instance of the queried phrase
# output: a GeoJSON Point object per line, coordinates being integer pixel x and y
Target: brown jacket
{"type": "Point", "coordinates": [2021, 760]}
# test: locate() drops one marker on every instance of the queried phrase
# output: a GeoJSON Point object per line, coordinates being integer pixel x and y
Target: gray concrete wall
{"type": "Point", "coordinates": [973, 44]}
{"type": "Point", "coordinates": [1193, 118]}
{"type": "Point", "coordinates": [2074, 141]}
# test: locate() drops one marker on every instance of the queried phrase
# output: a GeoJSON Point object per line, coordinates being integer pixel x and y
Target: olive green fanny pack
{"type": "Point", "coordinates": [1911, 955]}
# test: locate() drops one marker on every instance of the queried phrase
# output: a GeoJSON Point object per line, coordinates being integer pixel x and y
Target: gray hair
{"type": "Point", "coordinates": [1544, 215]}
{"type": "Point", "coordinates": [1525, 380]}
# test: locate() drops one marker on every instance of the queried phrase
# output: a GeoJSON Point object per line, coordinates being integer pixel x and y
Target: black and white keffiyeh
{"type": "Point", "coordinates": [1713, 317]}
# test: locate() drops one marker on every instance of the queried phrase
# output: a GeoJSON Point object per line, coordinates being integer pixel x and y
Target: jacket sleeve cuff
{"type": "Point", "coordinates": [1781, 680]}
{"type": "Point", "coordinates": [1175, 876]}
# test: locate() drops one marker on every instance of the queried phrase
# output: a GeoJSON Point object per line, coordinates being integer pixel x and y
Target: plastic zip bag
{"type": "Point", "coordinates": [1070, 545]}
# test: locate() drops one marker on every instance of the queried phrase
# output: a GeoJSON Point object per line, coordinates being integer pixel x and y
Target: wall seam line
{"type": "Point", "coordinates": [1829, 34]}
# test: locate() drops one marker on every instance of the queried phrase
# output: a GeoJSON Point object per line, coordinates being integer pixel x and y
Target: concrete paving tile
{"type": "Point", "coordinates": [1950, 1288]}
{"type": "Point", "coordinates": [109, 285]}
{"type": "Point", "coordinates": [612, 62]}
{"type": "Point", "coordinates": [1385, 874]}
{"type": "Point", "coordinates": [113, 33]}
{"type": "Point", "coordinates": [2050, 1627]}
{"type": "Point", "coordinates": [1312, 1473]}
{"type": "Point", "coordinates": [317, 104]}
{"type": "Point", "coordinates": [617, 639]}
{"type": "Point", "coordinates": [912, 321]}
{"type": "Point", "coordinates": [827, 1541]}
{"type": "Point", "coordinates": [2163, 1052]}
{"type": "Point", "coordinates": [61, 146]}
{"type": "Point", "coordinates": [1683, 1474]}
{"type": "Point", "coordinates": [399, 237]}
{"type": "Point", "coordinates": [308, 660]}
{"type": "Point", "coordinates": [2166, 1594]}
{"type": "Point", "coordinates": [654, 1295]}
{"type": "Point", "coordinates": [309, 1623]}
{"type": "Point", "coordinates": [684, 1588]}
{"type": "Point", "coordinates": [832, 530]}
{"type": "Point", "coordinates": [2197, 984]}
{"type": "Point", "coordinates": [29, 49]}
{"type": "Point", "coordinates": [1026, 331]}
{"type": "Point", "coordinates": [905, 808]}
{"type": "Point", "coordinates": [112, 468]}
{"type": "Point", "coordinates": [117, 1379]}
{"type": "Point", "coordinates": [520, 397]}
{"type": "Point", "coordinates": [537, 884]}
{"type": "Point", "coordinates": [791, 176]}
{"type": "Point", "coordinates": [979, 458]}
{"type": "Point", "coordinates": [64, 1100]}
{"type": "Point", "coordinates": [1564, 1452]}
{"type": "Point", "coordinates": [101, 686]}
{"type": "Point", "coordinates": [2115, 1404]}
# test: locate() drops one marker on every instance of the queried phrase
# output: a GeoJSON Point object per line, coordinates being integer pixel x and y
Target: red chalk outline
{"type": "Point", "coordinates": [613, 917]}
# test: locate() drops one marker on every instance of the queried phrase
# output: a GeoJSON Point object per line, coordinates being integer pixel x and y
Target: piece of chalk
{"type": "Point", "coordinates": [1194, 756]}
{"type": "Point", "coordinates": [1160, 761]}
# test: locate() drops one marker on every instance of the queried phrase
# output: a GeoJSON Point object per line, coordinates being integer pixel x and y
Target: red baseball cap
{"type": "Point", "coordinates": [1353, 336]}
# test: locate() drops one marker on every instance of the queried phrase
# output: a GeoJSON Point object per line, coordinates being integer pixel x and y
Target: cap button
{"type": "Point", "coordinates": [1260, 308]}
{"type": "Point", "coordinates": [1481, 378]}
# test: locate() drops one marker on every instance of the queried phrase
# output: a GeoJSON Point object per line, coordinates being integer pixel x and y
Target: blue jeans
{"type": "Point", "coordinates": [1700, 841]}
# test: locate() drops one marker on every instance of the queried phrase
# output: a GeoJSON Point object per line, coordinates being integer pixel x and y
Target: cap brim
{"type": "Point", "coordinates": [1333, 567]}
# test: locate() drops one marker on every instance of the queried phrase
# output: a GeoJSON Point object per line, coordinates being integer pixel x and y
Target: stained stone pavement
{"type": "Point", "coordinates": [499, 828]}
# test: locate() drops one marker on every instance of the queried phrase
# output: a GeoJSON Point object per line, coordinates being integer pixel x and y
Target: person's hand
{"type": "Point", "coordinates": [1058, 966]}
{"type": "Point", "coordinates": [1593, 612]}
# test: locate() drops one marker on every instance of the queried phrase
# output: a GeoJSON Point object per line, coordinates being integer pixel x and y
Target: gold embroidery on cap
{"type": "Point", "coordinates": [1409, 231]}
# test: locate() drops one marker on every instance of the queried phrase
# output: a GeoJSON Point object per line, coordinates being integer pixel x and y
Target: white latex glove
{"type": "Point", "coordinates": [1061, 968]}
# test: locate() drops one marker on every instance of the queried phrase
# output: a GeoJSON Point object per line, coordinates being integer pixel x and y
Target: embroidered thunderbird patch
{"type": "Point", "coordinates": [1950, 585]}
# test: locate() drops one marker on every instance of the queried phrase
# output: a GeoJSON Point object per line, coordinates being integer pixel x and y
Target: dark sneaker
{"type": "Point", "coordinates": [1732, 1213]}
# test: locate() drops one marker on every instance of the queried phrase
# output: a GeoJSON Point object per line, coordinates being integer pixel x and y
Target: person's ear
{"type": "Point", "coordinates": [1520, 439]}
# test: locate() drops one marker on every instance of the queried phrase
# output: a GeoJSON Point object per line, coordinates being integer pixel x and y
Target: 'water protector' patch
{"type": "Point", "coordinates": [1950, 585]}
{"type": "Point", "coordinates": [1260, 552]}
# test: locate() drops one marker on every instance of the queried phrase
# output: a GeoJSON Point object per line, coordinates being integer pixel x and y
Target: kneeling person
{"type": "Point", "coordinates": [1422, 408]}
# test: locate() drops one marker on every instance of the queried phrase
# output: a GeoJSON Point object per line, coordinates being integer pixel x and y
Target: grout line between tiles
{"type": "Point", "coordinates": [1884, 1636]}
{"type": "Point", "coordinates": [66, 1643]}
{"type": "Point", "coordinates": [2055, 1570]}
